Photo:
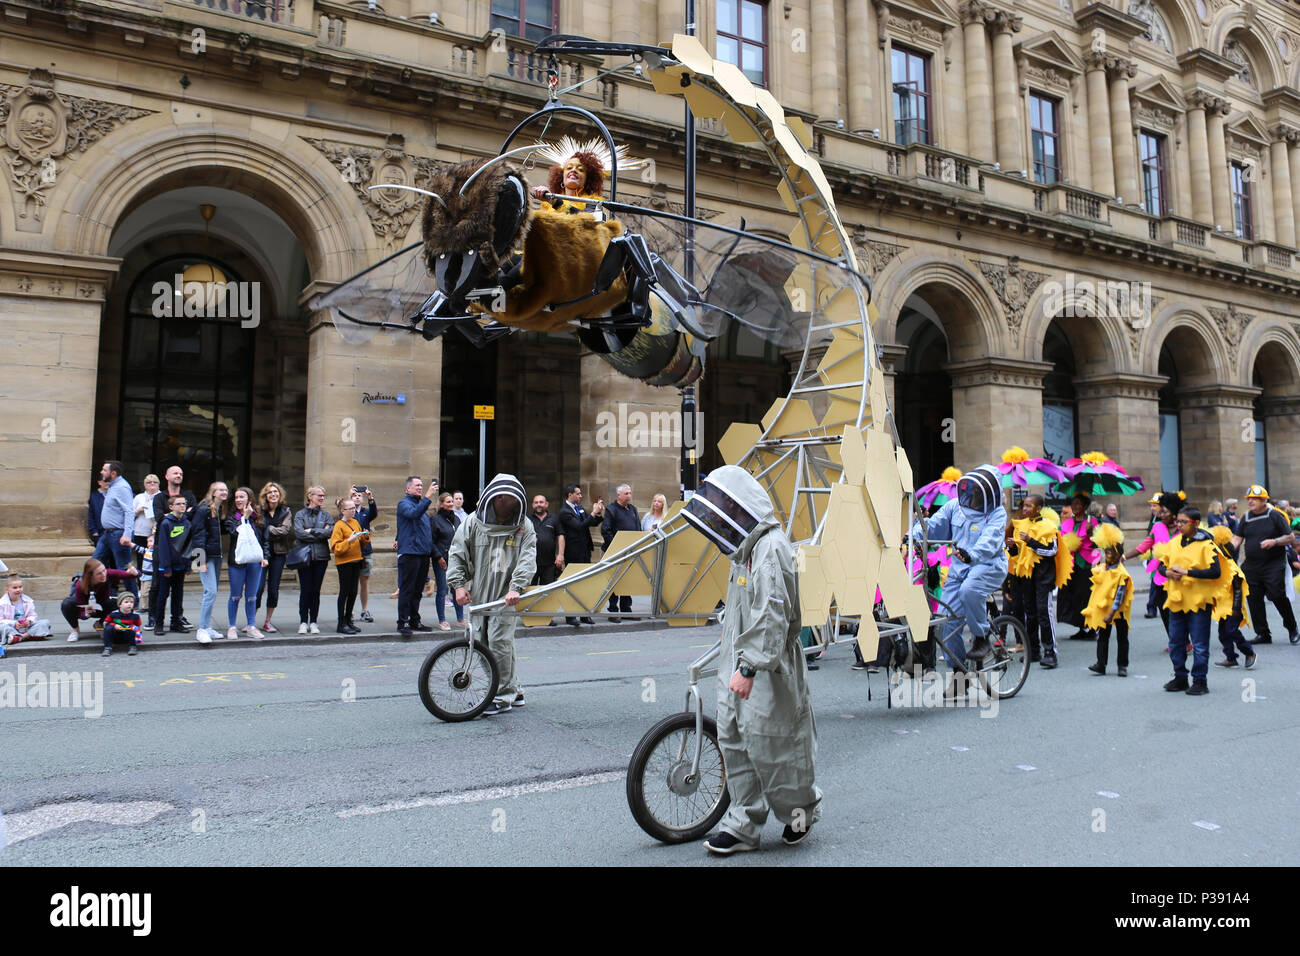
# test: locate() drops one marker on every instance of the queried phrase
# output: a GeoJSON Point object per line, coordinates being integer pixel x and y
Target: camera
{"type": "Point", "coordinates": [361, 488]}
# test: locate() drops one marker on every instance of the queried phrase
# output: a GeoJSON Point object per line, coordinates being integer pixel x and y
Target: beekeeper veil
{"type": "Point", "coordinates": [980, 490]}
{"type": "Point", "coordinates": [501, 508]}
{"type": "Point", "coordinates": [731, 509]}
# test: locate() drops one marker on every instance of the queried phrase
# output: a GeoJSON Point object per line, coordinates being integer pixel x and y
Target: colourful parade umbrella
{"type": "Point", "coordinates": [939, 492]}
{"type": "Point", "coordinates": [1021, 471]}
{"type": "Point", "coordinates": [1095, 474]}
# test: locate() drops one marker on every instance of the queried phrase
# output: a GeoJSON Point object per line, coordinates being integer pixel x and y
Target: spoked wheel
{"type": "Point", "coordinates": [458, 680]}
{"type": "Point", "coordinates": [667, 802]}
{"type": "Point", "coordinates": [1003, 672]}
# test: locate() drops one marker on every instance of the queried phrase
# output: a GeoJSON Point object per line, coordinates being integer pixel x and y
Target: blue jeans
{"type": "Point", "coordinates": [110, 545]}
{"type": "Point", "coordinates": [965, 592]}
{"type": "Point", "coordinates": [210, 577]}
{"type": "Point", "coordinates": [243, 578]}
{"type": "Point", "coordinates": [1191, 626]}
{"type": "Point", "coordinates": [440, 576]}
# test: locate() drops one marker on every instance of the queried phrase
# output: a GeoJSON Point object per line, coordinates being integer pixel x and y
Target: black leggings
{"type": "Point", "coordinates": [1121, 643]}
{"type": "Point", "coordinates": [349, 578]}
{"type": "Point", "coordinates": [271, 581]}
{"type": "Point", "coordinates": [310, 579]}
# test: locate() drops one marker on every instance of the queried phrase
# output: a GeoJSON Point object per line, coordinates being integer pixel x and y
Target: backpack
{"type": "Point", "coordinates": [72, 592]}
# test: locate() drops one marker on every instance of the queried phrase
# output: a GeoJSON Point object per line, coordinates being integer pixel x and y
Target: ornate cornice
{"type": "Point", "coordinates": [1278, 406]}
{"type": "Point", "coordinates": [1217, 396]}
{"type": "Point", "coordinates": [1153, 116]}
{"type": "Point", "coordinates": [1118, 25]}
{"type": "Point", "coordinates": [42, 130]}
{"type": "Point", "coordinates": [1004, 21]}
{"type": "Point", "coordinates": [1211, 65]}
{"type": "Point", "coordinates": [997, 371]}
{"type": "Point", "coordinates": [1014, 287]}
{"type": "Point", "coordinates": [1210, 102]}
{"type": "Point", "coordinates": [391, 211]}
{"type": "Point", "coordinates": [1121, 385]}
{"type": "Point", "coordinates": [1120, 68]}
{"type": "Point", "coordinates": [63, 277]}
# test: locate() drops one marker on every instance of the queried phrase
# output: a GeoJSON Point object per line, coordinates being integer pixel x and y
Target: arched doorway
{"type": "Point", "coordinates": [1171, 446]}
{"type": "Point", "coordinates": [923, 408]}
{"type": "Point", "coordinates": [215, 379]}
{"type": "Point", "coordinates": [1060, 401]}
{"type": "Point", "coordinates": [1276, 373]}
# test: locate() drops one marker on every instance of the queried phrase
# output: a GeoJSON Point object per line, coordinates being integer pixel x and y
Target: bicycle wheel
{"type": "Point", "coordinates": [1004, 671]}
{"type": "Point", "coordinates": [665, 802]}
{"type": "Point", "coordinates": [458, 681]}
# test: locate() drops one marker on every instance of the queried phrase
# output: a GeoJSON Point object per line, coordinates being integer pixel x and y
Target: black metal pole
{"type": "Point", "coordinates": [690, 440]}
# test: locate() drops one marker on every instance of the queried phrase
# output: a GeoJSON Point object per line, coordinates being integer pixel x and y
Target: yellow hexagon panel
{"type": "Point", "coordinates": [853, 453]}
{"type": "Point", "coordinates": [739, 126]}
{"type": "Point", "coordinates": [801, 130]}
{"type": "Point", "coordinates": [634, 580]}
{"type": "Point", "coordinates": [894, 583]}
{"type": "Point", "coordinates": [689, 51]}
{"type": "Point", "coordinates": [876, 391]}
{"type": "Point", "coordinates": [814, 589]}
{"type": "Point", "coordinates": [695, 575]}
{"type": "Point", "coordinates": [796, 419]}
{"type": "Point", "coordinates": [850, 550]}
{"type": "Point", "coordinates": [668, 81]}
{"type": "Point", "coordinates": [868, 638]}
{"type": "Point", "coordinates": [904, 470]}
{"type": "Point", "coordinates": [735, 84]}
{"type": "Point", "coordinates": [738, 439]}
{"type": "Point", "coordinates": [536, 620]}
{"type": "Point", "coordinates": [883, 485]}
{"type": "Point", "coordinates": [586, 595]}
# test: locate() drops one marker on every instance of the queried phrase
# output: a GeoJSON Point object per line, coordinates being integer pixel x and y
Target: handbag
{"type": "Point", "coordinates": [298, 558]}
{"type": "Point", "coordinates": [248, 550]}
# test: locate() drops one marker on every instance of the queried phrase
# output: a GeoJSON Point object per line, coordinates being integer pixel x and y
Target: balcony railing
{"type": "Point", "coordinates": [1280, 257]}
{"type": "Point", "coordinates": [527, 67]}
{"type": "Point", "coordinates": [272, 11]}
{"type": "Point", "coordinates": [1063, 199]}
{"type": "Point", "coordinates": [1191, 234]}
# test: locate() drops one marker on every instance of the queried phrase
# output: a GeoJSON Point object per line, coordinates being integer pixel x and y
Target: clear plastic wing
{"type": "Point", "coordinates": [385, 296]}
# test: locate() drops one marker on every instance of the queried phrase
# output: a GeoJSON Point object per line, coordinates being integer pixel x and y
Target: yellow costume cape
{"type": "Point", "coordinates": [1105, 585]}
{"type": "Point", "coordinates": [1192, 594]}
{"type": "Point", "coordinates": [1223, 599]}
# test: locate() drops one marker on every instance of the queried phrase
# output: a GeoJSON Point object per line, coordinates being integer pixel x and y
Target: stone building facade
{"type": "Point", "coordinates": [1080, 223]}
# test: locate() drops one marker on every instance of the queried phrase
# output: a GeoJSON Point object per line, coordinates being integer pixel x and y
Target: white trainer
{"type": "Point", "coordinates": [73, 636]}
{"type": "Point", "coordinates": [254, 633]}
{"type": "Point", "coordinates": [232, 634]}
{"type": "Point", "coordinates": [313, 629]}
{"type": "Point", "coordinates": [302, 628]}
{"type": "Point", "coordinates": [203, 636]}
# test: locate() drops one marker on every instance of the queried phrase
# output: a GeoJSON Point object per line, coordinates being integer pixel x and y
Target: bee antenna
{"type": "Point", "coordinates": [414, 189]}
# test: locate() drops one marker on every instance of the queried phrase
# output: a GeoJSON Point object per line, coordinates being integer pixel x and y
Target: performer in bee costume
{"type": "Point", "coordinates": [975, 522]}
{"type": "Point", "coordinates": [1191, 563]}
{"type": "Point", "coordinates": [494, 556]}
{"type": "Point", "coordinates": [765, 721]}
{"type": "Point", "coordinates": [578, 172]}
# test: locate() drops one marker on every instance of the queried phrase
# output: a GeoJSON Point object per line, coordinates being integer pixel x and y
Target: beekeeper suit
{"type": "Point", "coordinates": [975, 522]}
{"type": "Point", "coordinates": [768, 735]}
{"type": "Point", "coordinates": [494, 555]}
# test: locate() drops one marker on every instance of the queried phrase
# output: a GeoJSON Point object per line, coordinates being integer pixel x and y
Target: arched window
{"type": "Point", "coordinates": [1157, 31]}
{"type": "Point", "coordinates": [1234, 51]}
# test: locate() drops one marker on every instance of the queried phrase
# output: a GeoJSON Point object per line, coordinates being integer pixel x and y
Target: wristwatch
{"type": "Point", "coordinates": [747, 672]}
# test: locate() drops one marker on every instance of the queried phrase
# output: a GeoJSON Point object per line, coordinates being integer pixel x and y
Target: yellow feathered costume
{"type": "Point", "coordinates": [1191, 594]}
{"type": "Point", "coordinates": [1223, 599]}
{"type": "Point", "coordinates": [1106, 580]}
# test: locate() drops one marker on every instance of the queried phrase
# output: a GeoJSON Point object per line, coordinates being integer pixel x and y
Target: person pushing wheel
{"type": "Point", "coordinates": [766, 728]}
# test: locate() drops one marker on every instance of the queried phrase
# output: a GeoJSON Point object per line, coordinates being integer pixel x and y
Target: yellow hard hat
{"type": "Point", "coordinates": [1257, 491]}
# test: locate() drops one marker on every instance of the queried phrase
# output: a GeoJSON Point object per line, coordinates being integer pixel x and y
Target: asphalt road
{"type": "Point", "coordinates": [283, 755]}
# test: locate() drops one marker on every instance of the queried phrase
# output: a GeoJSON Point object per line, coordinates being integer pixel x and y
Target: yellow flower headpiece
{"type": "Point", "coordinates": [1014, 455]}
{"type": "Point", "coordinates": [1107, 536]}
{"type": "Point", "coordinates": [951, 474]}
{"type": "Point", "coordinates": [1095, 458]}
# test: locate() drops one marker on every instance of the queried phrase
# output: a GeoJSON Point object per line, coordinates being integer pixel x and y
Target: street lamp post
{"type": "Point", "coordinates": [690, 438]}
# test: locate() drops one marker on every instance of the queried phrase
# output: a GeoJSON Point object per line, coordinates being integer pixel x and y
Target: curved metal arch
{"type": "Point", "coordinates": [557, 107]}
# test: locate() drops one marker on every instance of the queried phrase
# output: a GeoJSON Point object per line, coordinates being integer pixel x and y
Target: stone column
{"type": "Point", "coordinates": [351, 436]}
{"type": "Point", "coordinates": [1282, 435]}
{"type": "Point", "coordinates": [979, 97]}
{"type": "Point", "coordinates": [1262, 200]}
{"type": "Point", "coordinates": [1293, 157]}
{"type": "Point", "coordinates": [825, 64]}
{"type": "Point", "coordinates": [625, 21]}
{"type": "Point", "coordinates": [1121, 125]}
{"type": "Point", "coordinates": [996, 403]}
{"type": "Point", "coordinates": [1099, 148]}
{"type": "Point", "coordinates": [857, 32]}
{"type": "Point", "coordinates": [1119, 413]}
{"type": "Point", "coordinates": [672, 20]}
{"type": "Point", "coordinates": [1212, 420]}
{"type": "Point", "coordinates": [1179, 200]}
{"type": "Point", "coordinates": [1283, 196]}
{"type": "Point", "coordinates": [630, 433]}
{"type": "Point", "coordinates": [890, 357]}
{"type": "Point", "coordinates": [1220, 190]}
{"type": "Point", "coordinates": [1006, 91]}
{"type": "Point", "coordinates": [1198, 159]}
{"type": "Point", "coordinates": [51, 306]}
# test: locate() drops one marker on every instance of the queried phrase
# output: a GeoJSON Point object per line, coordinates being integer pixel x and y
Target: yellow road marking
{"type": "Point", "coordinates": [597, 653]}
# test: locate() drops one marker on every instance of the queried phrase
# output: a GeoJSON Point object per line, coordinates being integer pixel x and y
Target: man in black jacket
{"type": "Point", "coordinates": [620, 516]}
{"type": "Point", "coordinates": [550, 541]}
{"type": "Point", "coordinates": [576, 525]}
{"type": "Point", "coordinates": [1263, 535]}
